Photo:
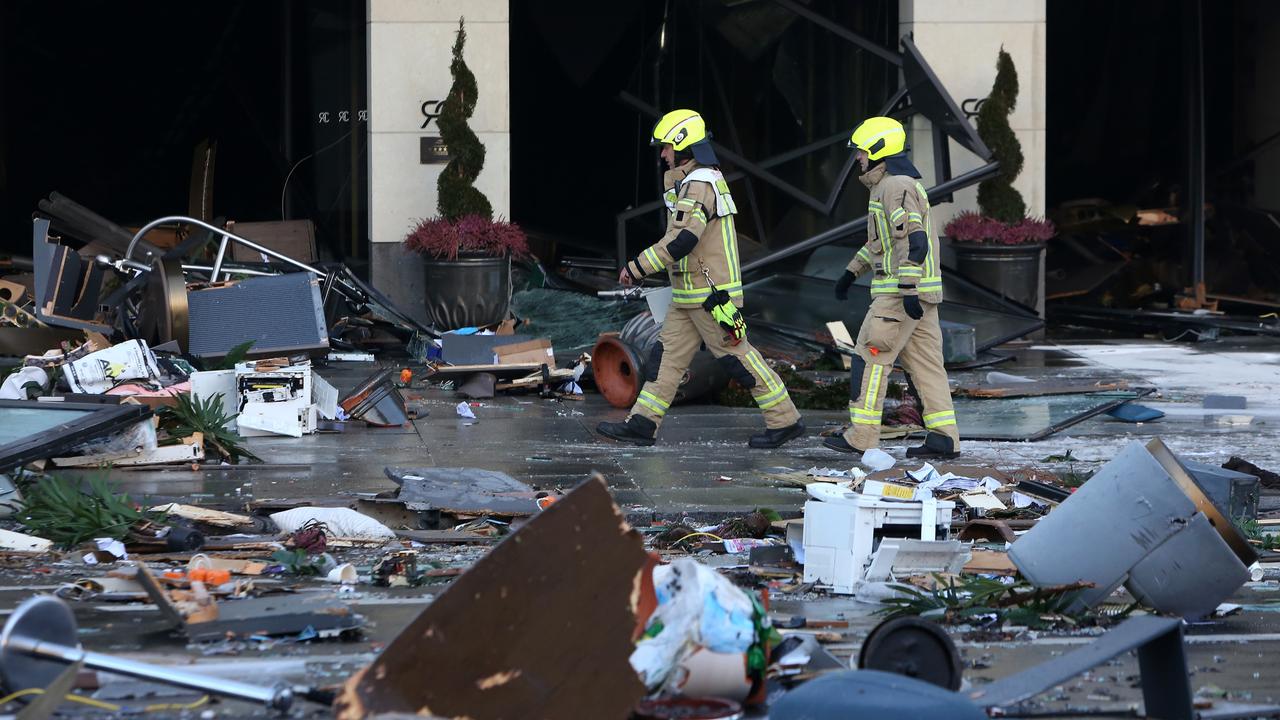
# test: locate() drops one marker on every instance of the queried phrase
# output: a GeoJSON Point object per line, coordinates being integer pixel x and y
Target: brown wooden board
{"type": "Point", "coordinates": [429, 537]}
{"type": "Point", "coordinates": [977, 472]}
{"type": "Point", "coordinates": [1040, 388]}
{"type": "Point", "coordinates": [541, 627]}
{"type": "Point", "coordinates": [508, 372]}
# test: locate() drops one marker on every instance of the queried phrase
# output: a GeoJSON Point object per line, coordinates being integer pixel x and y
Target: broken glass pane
{"type": "Point", "coordinates": [18, 423]}
{"type": "Point", "coordinates": [1032, 418]}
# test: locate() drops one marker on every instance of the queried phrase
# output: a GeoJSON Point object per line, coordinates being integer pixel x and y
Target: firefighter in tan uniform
{"type": "Point", "coordinates": [700, 253]}
{"type": "Point", "coordinates": [902, 324]}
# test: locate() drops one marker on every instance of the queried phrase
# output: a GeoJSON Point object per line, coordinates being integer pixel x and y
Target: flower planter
{"type": "Point", "coordinates": [467, 292]}
{"type": "Point", "coordinates": [1011, 270]}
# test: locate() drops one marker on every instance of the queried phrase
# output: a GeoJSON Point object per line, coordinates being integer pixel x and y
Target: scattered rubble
{"type": "Point", "coordinates": [203, 373]}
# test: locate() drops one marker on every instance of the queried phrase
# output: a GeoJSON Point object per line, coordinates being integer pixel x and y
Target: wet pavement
{"type": "Point", "coordinates": [701, 468]}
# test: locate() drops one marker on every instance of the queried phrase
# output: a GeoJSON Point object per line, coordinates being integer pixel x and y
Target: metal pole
{"type": "Point", "coordinates": [279, 697]}
{"type": "Point", "coordinates": [1195, 146]}
{"type": "Point", "coordinates": [128, 253]}
{"type": "Point", "coordinates": [843, 32]}
{"type": "Point", "coordinates": [229, 270]}
{"type": "Point", "coordinates": [856, 226]}
{"type": "Point", "coordinates": [217, 261]}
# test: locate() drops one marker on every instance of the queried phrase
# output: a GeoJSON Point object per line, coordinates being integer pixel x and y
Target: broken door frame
{"type": "Point", "coordinates": [102, 419]}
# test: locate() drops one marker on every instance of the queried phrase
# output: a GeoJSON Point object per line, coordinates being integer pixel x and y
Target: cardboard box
{"type": "Point", "coordinates": [533, 351]}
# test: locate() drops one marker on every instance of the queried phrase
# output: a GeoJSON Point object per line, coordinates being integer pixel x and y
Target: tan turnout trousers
{"type": "Point", "coordinates": [889, 335]}
{"type": "Point", "coordinates": [683, 332]}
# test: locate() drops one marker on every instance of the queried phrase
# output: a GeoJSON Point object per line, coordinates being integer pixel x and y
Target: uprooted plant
{"type": "Point", "coordinates": [978, 599]}
{"type": "Point", "coordinates": [58, 509]}
{"type": "Point", "coordinates": [1257, 535]}
{"type": "Point", "coordinates": [205, 416]}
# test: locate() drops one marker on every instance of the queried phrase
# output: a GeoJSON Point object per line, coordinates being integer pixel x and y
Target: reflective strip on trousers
{"type": "Point", "coordinates": [858, 416]}
{"type": "Point", "coordinates": [653, 402]}
{"type": "Point", "coordinates": [868, 414]}
{"type": "Point", "coordinates": [777, 392]}
{"type": "Point", "coordinates": [940, 419]}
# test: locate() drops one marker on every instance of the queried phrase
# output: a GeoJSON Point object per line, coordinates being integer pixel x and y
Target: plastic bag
{"type": "Point", "coordinates": [697, 608]}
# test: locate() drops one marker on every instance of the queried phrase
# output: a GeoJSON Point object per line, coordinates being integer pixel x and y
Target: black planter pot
{"type": "Point", "coordinates": [1011, 270]}
{"type": "Point", "coordinates": [467, 292]}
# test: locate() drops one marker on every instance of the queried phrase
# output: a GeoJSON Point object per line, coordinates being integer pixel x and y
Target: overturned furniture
{"type": "Point", "coordinates": [1143, 521]}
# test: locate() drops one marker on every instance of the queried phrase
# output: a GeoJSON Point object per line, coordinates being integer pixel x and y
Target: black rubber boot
{"type": "Point", "coordinates": [637, 430]}
{"type": "Point", "coordinates": [936, 447]}
{"type": "Point", "coordinates": [777, 436]}
{"type": "Point", "coordinates": [837, 443]}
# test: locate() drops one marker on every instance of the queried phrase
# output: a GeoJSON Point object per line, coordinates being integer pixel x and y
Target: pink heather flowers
{"type": "Point", "coordinates": [469, 235]}
{"type": "Point", "coordinates": [974, 228]}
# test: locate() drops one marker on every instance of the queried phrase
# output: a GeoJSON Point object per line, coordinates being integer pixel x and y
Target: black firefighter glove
{"type": "Point", "coordinates": [911, 303]}
{"type": "Point", "coordinates": [843, 284]}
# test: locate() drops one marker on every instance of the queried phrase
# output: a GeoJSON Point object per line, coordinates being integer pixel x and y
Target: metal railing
{"type": "Point", "coordinates": [227, 238]}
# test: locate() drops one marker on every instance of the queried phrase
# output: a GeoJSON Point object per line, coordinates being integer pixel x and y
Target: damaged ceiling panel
{"type": "Point", "coordinates": [541, 627]}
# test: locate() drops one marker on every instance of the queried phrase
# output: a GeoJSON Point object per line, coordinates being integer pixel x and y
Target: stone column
{"type": "Point", "coordinates": [410, 43]}
{"type": "Point", "coordinates": [960, 40]}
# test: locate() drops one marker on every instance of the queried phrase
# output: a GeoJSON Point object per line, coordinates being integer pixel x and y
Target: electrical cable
{"type": "Point", "coordinates": [686, 537]}
{"type": "Point", "coordinates": [284, 189]}
{"type": "Point", "coordinates": [110, 707]}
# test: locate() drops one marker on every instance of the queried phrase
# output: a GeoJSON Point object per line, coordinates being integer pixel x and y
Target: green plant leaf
{"type": "Point", "coordinates": [58, 509]}
{"type": "Point", "coordinates": [206, 416]}
{"type": "Point", "coordinates": [234, 356]}
{"type": "Point", "coordinates": [770, 514]}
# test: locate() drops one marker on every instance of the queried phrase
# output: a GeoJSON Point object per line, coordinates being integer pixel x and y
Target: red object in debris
{"type": "Point", "coordinates": [545, 501]}
{"type": "Point", "coordinates": [617, 371]}
{"type": "Point", "coordinates": [406, 376]}
{"type": "Point", "coordinates": [873, 350]}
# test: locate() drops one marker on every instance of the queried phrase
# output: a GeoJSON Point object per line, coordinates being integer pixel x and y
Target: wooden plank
{"type": "Point", "coordinates": [844, 341]}
{"type": "Point", "coordinates": [428, 537]}
{"type": "Point", "coordinates": [986, 562]}
{"type": "Point", "coordinates": [446, 372]}
{"type": "Point", "coordinates": [207, 516]}
{"type": "Point", "coordinates": [1037, 389]}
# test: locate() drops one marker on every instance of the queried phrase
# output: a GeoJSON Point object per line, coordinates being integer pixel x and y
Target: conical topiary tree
{"type": "Point", "coordinates": [458, 196]}
{"type": "Point", "coordinates": [997, 198]}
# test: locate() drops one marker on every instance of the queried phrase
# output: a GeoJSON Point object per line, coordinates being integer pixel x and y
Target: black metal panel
{"type": "Point", "coordinates": [280, 314]}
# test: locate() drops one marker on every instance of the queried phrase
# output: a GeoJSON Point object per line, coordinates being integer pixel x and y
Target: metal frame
{"type": "Point", "coordinates": [948, 121]}
{"type": "Point", "coordinates": [1162, 663]}
{"type": "Point", "coordinates": [222, 245]}
{"type": "Point", "coordinates": [102, 419]}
